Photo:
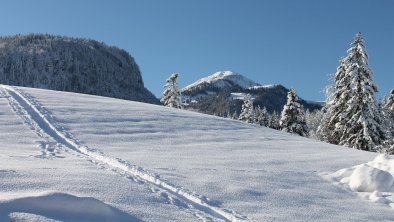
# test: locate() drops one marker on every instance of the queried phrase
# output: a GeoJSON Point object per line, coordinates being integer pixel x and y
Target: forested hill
{"type": "Point", "coordinates": [71, 64]}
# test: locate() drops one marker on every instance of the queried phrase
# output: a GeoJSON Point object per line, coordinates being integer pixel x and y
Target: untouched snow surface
{"type": "Point", "coordinates": [222, 79]}
{"type": "Point", "coordinates": [240, 96]}
{"type": "Point", "coordinates": [269, 86]}
{"type": "Point", "coordinates": [63, 152]}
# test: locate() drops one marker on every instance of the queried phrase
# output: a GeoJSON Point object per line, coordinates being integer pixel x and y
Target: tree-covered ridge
{"type": "Point", "coordinates": [71, 64]}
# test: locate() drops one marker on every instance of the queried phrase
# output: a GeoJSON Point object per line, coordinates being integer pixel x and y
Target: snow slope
{"type": "Point", "coordinates": [264, 86]}
{"type": "Point", "coordinates": [240, 96]}
{"type": "Point", "coordinates": [223, 79]}
{"type": "Point", "coordinates": [135, 161]}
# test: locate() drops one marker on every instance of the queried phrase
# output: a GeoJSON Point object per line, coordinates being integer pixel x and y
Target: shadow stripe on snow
{"type": "Point", "coordinates": [195, 200]}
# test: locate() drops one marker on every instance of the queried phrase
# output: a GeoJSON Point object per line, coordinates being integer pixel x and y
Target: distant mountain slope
{"type": "Point", "coordinates": [222, 93]}
{"type": "Point", "coordinates": [71, 64]}
{"type": "Point", "coordinates": [220, 80]}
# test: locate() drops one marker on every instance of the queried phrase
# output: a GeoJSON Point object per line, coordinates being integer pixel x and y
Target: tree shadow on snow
{"type": "Point", "coordinates": [64, 207]}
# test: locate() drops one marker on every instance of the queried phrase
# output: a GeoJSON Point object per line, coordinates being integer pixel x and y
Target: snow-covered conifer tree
{"type": "Point", "coordinates": [388, 105]}
{"type": "Point", "coordinates": [388, 111]}
{"type": "Point", "coordinates": [261, 116]}
{"type": "Point", "coordinates": [293, 116]}
{"type": "Point", "coordinates": [363, 127]}
{"type": "Point", "coordinates": [334, 122]}
{"type": "Point", "coordinates": [273, 121]}
{"type": "Point", "coordinates": [247, 111]}
{"type": "Point", "coordinates": [171, 94]}
{"type": "Point", "coordinates": [228, 114]}
{"type": "Point", "coordinates": [235, 115]}
{"type": "Point", "coordinates": [313, 121]}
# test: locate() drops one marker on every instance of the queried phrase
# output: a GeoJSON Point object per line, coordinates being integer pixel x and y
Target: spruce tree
{"type": "Point", "coordinates": [363, 119]}
{"type": "Point", "coordinates": [235, 115]}
{"type": "Point", "coordinates": [388, 105]}
{"type": "Point", "coordinates": [261, 116]}
{"type": "Point", "coordinates": [293, 117]}
{"type": "Point", "coordinates": [313, 121]}
{"type": "Point", "coordinates": [171, 94]}
{"type": "Point", "coordinates": [336, 108]}
{"type": "Point", "coordinates": [228, 114]}
{"type": "Point", "coordinates": [247, 111]}
{"type": "Point", "coordinates": [388, 111]}
{"type": "Point", "coordinates": [273, 121]}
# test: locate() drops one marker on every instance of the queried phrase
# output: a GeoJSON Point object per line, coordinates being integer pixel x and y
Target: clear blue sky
{"type": "Point", "coordinates": [294, 43]}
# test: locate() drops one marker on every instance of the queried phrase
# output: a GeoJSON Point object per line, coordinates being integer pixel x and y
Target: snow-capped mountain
{"type": "Point", "coordinates": [71, 64]}
{"type": "Point", "coordinates": [220, 80]}
{"type": "Point", "coordinates": [64, 158]}
{"type": "Point", "coordinates": [222, 94]}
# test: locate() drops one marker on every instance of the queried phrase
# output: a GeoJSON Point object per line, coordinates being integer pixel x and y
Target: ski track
{"type": "Point", "coordinates": [57, 139]}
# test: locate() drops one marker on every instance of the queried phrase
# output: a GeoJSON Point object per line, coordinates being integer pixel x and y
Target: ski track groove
{"type": "Point", "coordinates": [45, 127]}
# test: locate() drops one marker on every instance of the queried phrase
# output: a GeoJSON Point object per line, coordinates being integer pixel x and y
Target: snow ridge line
{"type": "Point", "coordinates": [198, 202]}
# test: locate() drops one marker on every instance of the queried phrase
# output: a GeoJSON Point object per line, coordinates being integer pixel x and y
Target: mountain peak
{"type": "Point", "coordinates": [224, 74]}
{"type": "Point", "coordinates": [223, 79]}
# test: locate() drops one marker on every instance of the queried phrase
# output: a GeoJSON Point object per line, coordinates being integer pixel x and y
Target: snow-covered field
{"type": "Point", "coordinates": [73, 157]}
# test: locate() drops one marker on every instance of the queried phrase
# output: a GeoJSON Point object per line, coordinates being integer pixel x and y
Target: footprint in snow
{"type": "Point", "coordinates": [49, 150]}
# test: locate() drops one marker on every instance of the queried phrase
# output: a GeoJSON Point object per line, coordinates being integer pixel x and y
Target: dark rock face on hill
{"type": "Point", "coordinates": [71, 64]}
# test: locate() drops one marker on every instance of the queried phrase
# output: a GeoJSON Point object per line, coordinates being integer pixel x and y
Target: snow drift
{"type": "Point", "coordinates": [373, 180]}
{"type": "Point", "coordinates": [61, 207]}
